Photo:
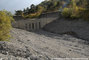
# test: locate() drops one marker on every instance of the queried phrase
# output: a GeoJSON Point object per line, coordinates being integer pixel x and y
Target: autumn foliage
{"type": "Point", "coordinates": [5, 25]}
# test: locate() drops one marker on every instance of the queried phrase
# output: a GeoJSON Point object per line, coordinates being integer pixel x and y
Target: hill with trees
{"type": "Point", "coordinates": [43, 7]}
{"type": "Point", "coordinates": [70, 8]}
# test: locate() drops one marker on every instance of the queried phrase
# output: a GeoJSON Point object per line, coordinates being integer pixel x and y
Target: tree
{"type": "Point", "coordinates": [24, 11]}
{"type": "Point", "coordinates": [5, 25]}
{"type": "Point", "coordinates": [19, 12]}
{"type": "Point", "coordinates": [33, 8]}
{"type": "Point", "coordinates": [87, 4]}
{"type": "Point", "coordinates": [85, 13]}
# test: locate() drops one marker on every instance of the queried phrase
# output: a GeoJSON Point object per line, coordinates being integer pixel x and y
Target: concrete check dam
{"type": "Point", "coordinates": [36, 23]}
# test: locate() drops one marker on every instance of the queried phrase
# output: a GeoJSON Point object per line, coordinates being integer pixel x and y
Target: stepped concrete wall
{"type": "Point", "coordinates": [35, 24]}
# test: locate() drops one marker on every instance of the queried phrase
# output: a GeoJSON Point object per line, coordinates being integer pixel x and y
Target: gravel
{"type": "Point", "coordinates": [42, 45]}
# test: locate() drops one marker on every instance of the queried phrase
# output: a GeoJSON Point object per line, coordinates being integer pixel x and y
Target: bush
{"type": "Point", "coordinates": [72, 12]}
{"type": "Point", "coordinates": [85, 14]}
{"type": "Point", "coordinates": [76, 12]}
{"type": "Point", "coordinates": [5, 25]}
{"type": "Point", "coordinates": [33, 15]}
{"type": "Point", "coordinates": [66, 12]}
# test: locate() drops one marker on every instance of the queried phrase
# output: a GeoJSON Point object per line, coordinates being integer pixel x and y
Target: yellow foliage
{"type": "Point", "coordinates": [66, 12]}
{"type": "Point", "coordinates": [72, 12]}
{"type": "Point", "coordinates": [5, 25]}
{"type": "Point", "coordinates": [35, 15]}
{"type": "Point", "coordinates": [75, 12]}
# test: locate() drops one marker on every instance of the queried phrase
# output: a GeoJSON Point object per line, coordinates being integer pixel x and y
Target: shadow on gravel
{"type": "Point", "coordinates": [68, 36]}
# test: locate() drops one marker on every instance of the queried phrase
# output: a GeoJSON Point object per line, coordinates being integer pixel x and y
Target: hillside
{"type": "Point", "coordinates": [42, 45]}
{"type": "Point", "coordinates": [75, 27]}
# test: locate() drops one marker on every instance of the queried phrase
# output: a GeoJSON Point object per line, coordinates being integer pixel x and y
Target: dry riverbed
{"type": "Point", "coordinates": [42, 45]}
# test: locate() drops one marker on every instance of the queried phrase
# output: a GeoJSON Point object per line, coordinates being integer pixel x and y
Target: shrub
{"type": "Point", "coordinates": [75, 12]}
{"type": "Point", "coordinates": [85, 15]}
{"type": "Point", "coordinates": [66, 12]}
{"type": "Point", "coordinates": [33, 15]}
{"type": "Point", "coordinates": [5, 25]}
{"type": "Point", "coordinates": [72, 12]}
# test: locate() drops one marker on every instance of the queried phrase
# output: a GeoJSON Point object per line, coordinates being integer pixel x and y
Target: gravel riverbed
{"type": "Point", "coordinates": [42, 45]}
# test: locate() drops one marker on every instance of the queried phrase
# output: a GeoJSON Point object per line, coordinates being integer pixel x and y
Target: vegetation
{"type": "Point", "coordinates": [85, 13]}
{"type": "Point", "coordinates": [36, 11]}
{"type": "Point", "coordinates": [18, 13]}
{"type": "Point", "coordinates": [70, 9]}
{"type": "Point", "coordinates": [76, 9]}
{"type": "Point", "coordinates": [5, 25]}
{"type": "Point", "coordinates": [34, 14]}
{"type": "Point", "coordinates": [67, 12]}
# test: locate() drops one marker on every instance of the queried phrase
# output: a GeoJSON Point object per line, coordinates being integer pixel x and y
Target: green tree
{"type": "Point", "coordinates": [19, 12]}
{"type": "Point", "coordinates": [33, 8]}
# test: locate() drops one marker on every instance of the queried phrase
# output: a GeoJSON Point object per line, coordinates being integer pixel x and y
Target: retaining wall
{"type": "Point", "coordinates": [35, 24]}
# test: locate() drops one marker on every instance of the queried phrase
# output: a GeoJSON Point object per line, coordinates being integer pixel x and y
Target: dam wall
{"type": "Point", "coordinates": [52, 23]}
{"type": "Point", "coordinates": [36, 23]}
